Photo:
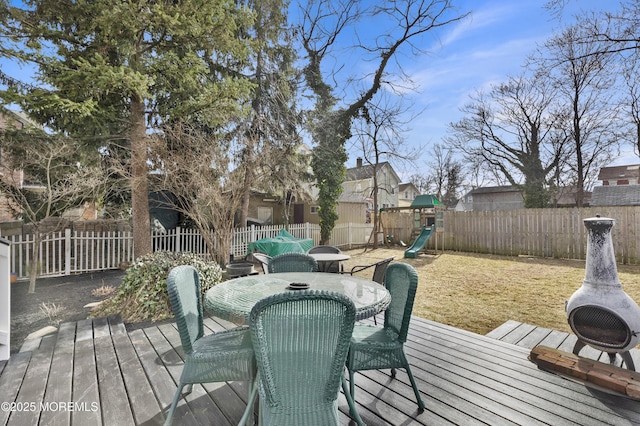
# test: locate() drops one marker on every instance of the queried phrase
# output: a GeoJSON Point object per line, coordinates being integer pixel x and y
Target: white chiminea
{"type": "Point", "coordinates": [600, 313]}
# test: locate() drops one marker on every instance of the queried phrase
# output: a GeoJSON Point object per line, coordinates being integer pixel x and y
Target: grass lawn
{"type": "Point", "coordinates": [480, 292]}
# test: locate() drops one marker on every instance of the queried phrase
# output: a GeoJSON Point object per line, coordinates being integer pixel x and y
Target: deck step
{"type": "Point", "coordinates": [529, 336]}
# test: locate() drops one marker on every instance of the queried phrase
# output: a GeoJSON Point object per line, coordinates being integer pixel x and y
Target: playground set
{"type": "Point", "coordinates": [423, 218]}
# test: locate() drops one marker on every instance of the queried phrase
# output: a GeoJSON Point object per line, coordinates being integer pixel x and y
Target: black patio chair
{"type": "Point", "coordinates": [378, 272]}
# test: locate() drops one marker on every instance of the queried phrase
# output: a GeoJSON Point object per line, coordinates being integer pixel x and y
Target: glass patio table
{"type": "Point", "coordinates": [232, 300]}
{"type": "Point", "coordinates": [326, 260]}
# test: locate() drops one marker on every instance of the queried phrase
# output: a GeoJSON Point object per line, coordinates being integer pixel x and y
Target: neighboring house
{"type": "Point", "coordinates": [18, 121]}
{"type": "Point", "coordinates": [351, 208]}
{"type": "Point", "coordinates": [356, 201]}
{"type": "Point", "coordinates": [620, 175]}
{"type": "Point", "coordinates": [511, 198]}
{"type": "Point", "coordinates": [359, 182]}
{"type": "Point", "coordinates": [620, 186]}
{"type": "Point", "coordinates": [616, 195]}
{"type": "Point", "coordinates": [492, 198]}
{"type": "Point", "coordinates": [265, 209]}
{"type": "Point", "coordinates": [566, 196]}
{"type": "Point", "coordinates": [407, 192]}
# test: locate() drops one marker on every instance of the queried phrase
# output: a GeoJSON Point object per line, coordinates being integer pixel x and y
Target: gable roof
{"type": "Point", "coordinates": [405, 186]}
{"type": "Point", "coordinates": [494, 189]}
{"type": "Point", "coordinates": [618, 195]}
{"type": "Point", "coordinates": [366, 171]}
{"type": "Point", "coordinates": [619, 172]}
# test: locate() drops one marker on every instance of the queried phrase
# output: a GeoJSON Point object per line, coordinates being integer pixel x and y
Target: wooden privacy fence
{"type": "Point", "coordinates": [557, 233]}
{"type": "Point", "coordinates": [71, 252]}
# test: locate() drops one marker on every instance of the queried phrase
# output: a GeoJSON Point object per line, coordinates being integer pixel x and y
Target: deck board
{"type": "Point", "coordinates": [115, 409]}
{"type": "Point", "coordinates": [464, 379]}
{"type": "Point", "coordinates": [529, 336]}
{"type": "Point", "coordinates": [33, 387]}
{"type": "Point", "coordinates": [61, 376]}
{"type": "Point", "coordinates": [85, 378]}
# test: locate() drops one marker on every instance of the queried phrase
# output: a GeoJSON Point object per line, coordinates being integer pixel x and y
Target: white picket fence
{"type": "Point", "coordinates": [72, 252]}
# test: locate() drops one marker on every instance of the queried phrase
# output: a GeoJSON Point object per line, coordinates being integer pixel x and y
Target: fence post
{"type": "Point", "coordinates": [178, 239]}
{"type": "Point", "coordinates": [67, 251]}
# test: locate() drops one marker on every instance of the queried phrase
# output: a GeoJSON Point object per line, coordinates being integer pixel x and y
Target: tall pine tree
{"type": "Point", "coordinates": [113, 71]}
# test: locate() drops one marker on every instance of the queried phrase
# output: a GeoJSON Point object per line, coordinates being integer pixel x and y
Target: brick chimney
{"type": "Point", "coordinates": [359, 162]}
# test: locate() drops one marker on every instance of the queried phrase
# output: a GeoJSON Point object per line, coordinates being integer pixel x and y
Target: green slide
{"type": "Point", "coordinates": [418, 244]}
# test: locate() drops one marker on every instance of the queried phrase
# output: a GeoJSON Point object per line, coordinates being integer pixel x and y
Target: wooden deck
{"type": "Point", "coordinates": [115, 377]}
{"type": "Point", "coordinates": [530, 336]}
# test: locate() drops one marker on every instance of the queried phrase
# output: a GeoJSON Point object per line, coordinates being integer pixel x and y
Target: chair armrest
{"type": "Point", "coordinates": [359, 268]}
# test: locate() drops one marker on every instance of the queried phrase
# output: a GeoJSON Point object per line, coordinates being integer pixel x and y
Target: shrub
{"type": "Point", "coordinates": [142, 296]}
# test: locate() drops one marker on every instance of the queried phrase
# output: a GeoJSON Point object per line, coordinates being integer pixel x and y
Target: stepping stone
{"type": "Point", "coordinates": [42, 332]}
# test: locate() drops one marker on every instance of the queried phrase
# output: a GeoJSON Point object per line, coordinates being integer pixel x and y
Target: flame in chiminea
{"type": "Point", "coordinates": [600, 313]}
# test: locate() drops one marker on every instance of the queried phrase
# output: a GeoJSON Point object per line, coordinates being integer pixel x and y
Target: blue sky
{"type": "Point", "coordinates": [482, 50]}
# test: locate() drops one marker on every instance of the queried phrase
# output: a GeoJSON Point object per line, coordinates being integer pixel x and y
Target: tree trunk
{"type": "Point", "coordinates": [246, 194]}
{"type": "Point", "coordinates": [139, 181]}
{"type": "Point", "coordinates": [33, 267]}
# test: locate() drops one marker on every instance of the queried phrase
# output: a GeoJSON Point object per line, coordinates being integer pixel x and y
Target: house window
{"type": "Point", "coordinates": [315, 209]}
{"type": "Point", "coordinates": [406, 195]}
{"type": "Point", "coordinates": [358, 187]}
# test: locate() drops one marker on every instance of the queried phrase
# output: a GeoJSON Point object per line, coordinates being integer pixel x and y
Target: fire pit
{"type": "Point", "coordinates": [600, 313]}
{"type": "Point", "coordinates": [239, 269]}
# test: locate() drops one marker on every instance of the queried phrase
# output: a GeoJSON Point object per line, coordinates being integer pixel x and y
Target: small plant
{"type": "Point", "coordinates": [103, 290]}
{"type": "Point", "coordinates": [51, 310]}
{"type": "Point", "coordinates": [142, 296]}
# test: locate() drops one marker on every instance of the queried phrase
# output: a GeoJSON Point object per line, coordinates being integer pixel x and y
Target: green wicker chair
{"type": "Point", "coordinates": [218, 357]}
{"type": "Point", "coordinates": [301, 339]}
{"type": "Point", "coordinates": [374, 348]}
{"type": "Point", "coordinates": [292, 262]}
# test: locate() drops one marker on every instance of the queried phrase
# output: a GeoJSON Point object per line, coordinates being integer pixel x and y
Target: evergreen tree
{"type": "Point", "coordinates": [114, 71]}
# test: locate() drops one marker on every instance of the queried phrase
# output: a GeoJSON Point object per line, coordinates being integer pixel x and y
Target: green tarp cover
{"type": "Point", "coordinates": [284, 242]}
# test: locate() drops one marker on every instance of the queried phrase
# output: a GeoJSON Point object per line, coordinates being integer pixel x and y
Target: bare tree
{"type": "Point", "coordinates": [631, 100]}
{"type": "Point", "coordinates": [379, 132]}
{"type": "Point", "coordinates": [514, 129]}
{"type": "Point", "coordinates": [422, 183]}
{"type": "Point", "coordinates": [195, 165]}
{"type": "Point", "coordinates": [446, 173]}
{"type": "Point", "coordinates": [583, 77]}
{"type": "Point", "coordinates": [60, 178]}
{"type": "Point", "coordinates": [399, 28]}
